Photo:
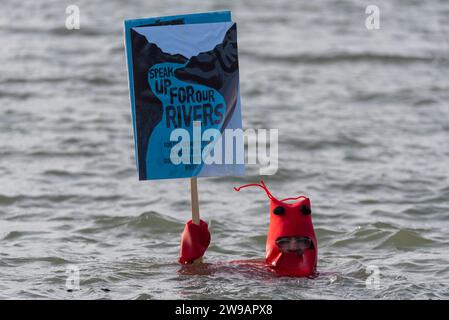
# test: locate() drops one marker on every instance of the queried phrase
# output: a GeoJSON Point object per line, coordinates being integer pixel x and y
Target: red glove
{"type": "Point", "coordinates": [194, 241]}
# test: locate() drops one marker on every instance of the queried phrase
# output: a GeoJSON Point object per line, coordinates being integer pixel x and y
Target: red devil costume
{"type": "Point", "coordinates": [291, 248]}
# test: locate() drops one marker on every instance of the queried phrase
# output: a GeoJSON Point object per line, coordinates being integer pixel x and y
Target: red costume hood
{"type": "Point", "coordinates": [291, 248]}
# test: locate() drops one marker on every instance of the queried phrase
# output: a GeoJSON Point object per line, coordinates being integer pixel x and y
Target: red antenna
{"type": "Point", "coordinates": [261, 185]}
{"type": "Point", "coordinates": [264, 187]}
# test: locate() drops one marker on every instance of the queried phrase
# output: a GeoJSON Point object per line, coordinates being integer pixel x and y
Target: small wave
{"type": "Point", "coordinates": [98, 80]}
{"type": "Point", "coordinates": [360, 236]}
{"type": "Point", "coordinates": [337, 58]}
{"type": "Point", "coordinates": [155, 221]}
{"type": "Point", "coordinates": [125, 173]}
{"type": "Point", "coordinates": [405, 239]}
{"type": "Point", "coordinates": [64, 174]}
{"type": "Point", "coordinates": [13, 235]}
{"type": "Point", "coordinates": [50, 259]}
{"type": "Point", "coordinates": [89, 79]}
{"type": "Point", "coordinates": [33, 80]}
{"type": "Point", "coordinates": [56, 30]}
{"type": "Point", "coordinates": [150, 222]}
{"type": "Point", "coordinates": [325, 235]}
{"type": "Point", "coordinates": [421, 211]}
{"type": "Point", "coordinates": [258, 239]}
{"type": "Point", "coordinates": [25, 216]}
{"type": "Point", "coordinates": [7, 200]}
{"type": "Point", "coordinates": [88, 31]}
{"type": "Point", "coordinates": [425, 102]}
{"type": "Point", "coordinates": [58, 198]}
{"type": "Point", "coordinates": [77, 238]}
{"type": "Point", "coordinates": [16, 95]}
{"type": "Point", "coordinates": [51, 154]}
{"type": "Point", "coordinates": [310, 144]}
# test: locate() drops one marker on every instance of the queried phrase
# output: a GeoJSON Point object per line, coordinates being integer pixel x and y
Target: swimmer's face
{"type": "Point", "coordinates": [291, 248]}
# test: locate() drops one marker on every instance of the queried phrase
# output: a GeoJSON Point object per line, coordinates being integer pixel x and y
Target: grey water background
{"type": "Point", "coordinates": [363, 122]}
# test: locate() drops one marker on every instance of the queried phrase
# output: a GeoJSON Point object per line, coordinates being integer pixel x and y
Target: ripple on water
{"type": "Point", "coordinates": [8, 200]}
{"type": "Point", "coordinates": [16, 235]}
{"type": "Point", "coordinates": [405, 239]}
{"type": "Point", "coordinates": [149, 222]}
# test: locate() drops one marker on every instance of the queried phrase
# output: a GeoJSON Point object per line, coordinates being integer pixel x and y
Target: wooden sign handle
{"type": "Point", "coordinates": [194, 196]}
{"type": "Point", "coordinates": [195, 208]}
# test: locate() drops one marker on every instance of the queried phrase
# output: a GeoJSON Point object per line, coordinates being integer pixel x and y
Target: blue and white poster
{"type": "Point", "coordinates": [184, 92]}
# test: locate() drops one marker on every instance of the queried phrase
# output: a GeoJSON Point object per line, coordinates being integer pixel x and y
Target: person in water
{"type": "Point", "coordinates": [291, 247]}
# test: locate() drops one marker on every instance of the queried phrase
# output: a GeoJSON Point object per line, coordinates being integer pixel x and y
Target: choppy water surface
{"type": "Point", "coordinates": [364, 132]}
